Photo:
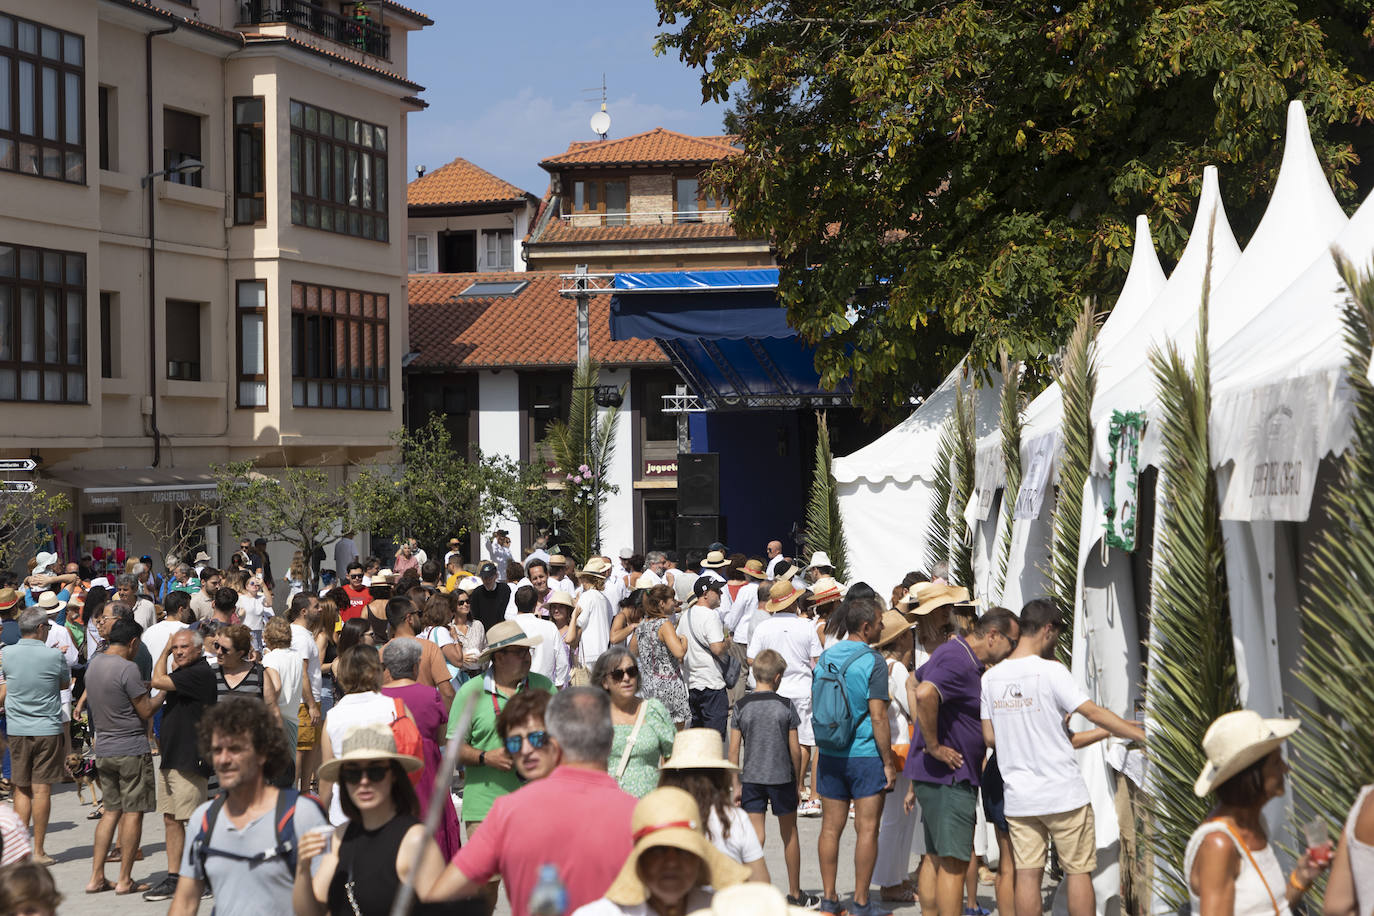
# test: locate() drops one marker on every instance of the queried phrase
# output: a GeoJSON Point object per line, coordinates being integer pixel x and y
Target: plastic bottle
{"type": "Point", "coordinates": [549, 897]}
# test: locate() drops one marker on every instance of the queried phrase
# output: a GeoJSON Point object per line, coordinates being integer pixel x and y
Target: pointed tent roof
{"type": "Point", "coordinates": [654, 147]}
{"type": "Point", "coordinates": [460, 182]}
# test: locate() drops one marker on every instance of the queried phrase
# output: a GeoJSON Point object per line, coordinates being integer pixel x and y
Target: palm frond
{"type": "Point", "coordinates": [585, 438]}
{"type": "Point", "coordinates": [1335, 746]}
{"type": "Point", "coordinates": [937, 532]}
{"type": "Point", "coordinates": [965, 457]}
{"type": "Point", "coordinates": [1078, 381]}
{"type": "Point", "coordinates": [824, 526]}
{"type": "Point", "coordinates": [1192, 676]}
{"type": "Point", "coordinates": [1010, 423]}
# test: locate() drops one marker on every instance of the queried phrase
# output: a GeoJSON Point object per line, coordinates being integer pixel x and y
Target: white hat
{"type": "Point", "coordinates": [1236, 740]}
{"type": "Point", "coordinates": [626, 553]}
{"type": "Point", "coordinates": [750, 899]}
{"type": "Point", "coordinates": [819, 558]}
{"type": "Point", "coordinates": [645, 581]}
{"type": "Point", "coordinates": [558, 596]}
{"type": "Point", "coordinates": [697, 749]}
{"type": "Point", "coordinates": [102, 581]}
{"type": "Point", "coordinates": [201, 557]}
{"type": "Point", "coordinates": [42, 561]}
{"type": "Point", "coordinates": [50, 605]}
{"type": "Point", "coordinates": [716, 559]}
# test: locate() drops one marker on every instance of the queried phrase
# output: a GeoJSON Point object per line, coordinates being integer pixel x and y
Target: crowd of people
{"type": "Point", "coordinates": [624, 728]}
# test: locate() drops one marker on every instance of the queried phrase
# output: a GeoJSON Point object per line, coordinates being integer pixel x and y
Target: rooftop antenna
{"type": "Point", "coordinates": [601, 121]}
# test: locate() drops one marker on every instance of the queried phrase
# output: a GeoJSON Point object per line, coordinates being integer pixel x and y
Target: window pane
{"type": "Point", "coordinates": [367, 181]}
{"type": "Point", "coordinates": [353, 195]}
{"type": "Point", "coordinates": [76, 386]}
{"type": "Point", "coordinates": [72, 50]}
{"type": "Point", "coordinates": [6, 324]}
{"type": "Point", "coordinates": [52, 43]}
{"type": "Point", "coordinates": [72, 109]}
{"type": "Point", "coordinates": [75, 307]}
{"type": "Point", "coordinates": [248, 111]}
{"type": "Point", "coordinates": [309, 188]}
{"type": "Point", "coordinates": [297, 114]}
{"type": "Point", "coordinates": [5, 110]}
{"type": "Point", "coordinates": [76, 270]}
{"type": "Point", "coordinates": [252, 344]}
{"type": "Point", "coordinates": [9, 384]}
{"type": "Point", "coordinates": [28, 384]}
{"type": "Point", "coordinates": [253, 295]}
{"type": "Point", "coordinates": [381, 183]}
{"type": "Point", "coordinates": [312, 118]}
{"type": "Point", "coordinates": [295, 168]}
{"type": "Point", "coordinates": [324, 171]}
{"type": "Point", "coordinates": [28, 37]}
{"type": "Point", "coordinates": [75, 169]}
{"type": "Point", "coordinates": [28, 325]}
{"type": "Point", "coordinates": [379, 138]}
{"type": "Point", "coordinates": [26, 90]}
{"type": "Point", "coordinates": [52, 267]}
{"type": "Point", "coordinates": [6, 32]}
{"type": "Point", "coordinates": [52, 326]}
{"type": "Point", "coordinates": [340, 185]}
{"type": "Point", "coordinates": [52, 386]}
{"type": "Point", "coordinates": [9, 260]}
{"type": "Point", "coordinates": [49, 104]}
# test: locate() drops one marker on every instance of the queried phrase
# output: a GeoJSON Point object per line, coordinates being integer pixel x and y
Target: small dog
{"type": "Point", "coordinates": [82, 770]}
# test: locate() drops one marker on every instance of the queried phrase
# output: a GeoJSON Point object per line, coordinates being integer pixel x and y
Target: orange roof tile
{"type": "Point", "coordinates": [534, 327]}
{"type": "Point", "coordinates": [461, 182]}
{"type": "Point", "coordinates": [413, 14]}
{"type": "Point", "coordinates": [259, 38]}
{"type": "Point", "coordinates": [560, 231]}
{"type": "Point", "coordinates": [655, 146]}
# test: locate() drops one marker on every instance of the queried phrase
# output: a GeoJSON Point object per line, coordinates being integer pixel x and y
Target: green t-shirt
{"type": "Point", "coordinates": [486, 784]}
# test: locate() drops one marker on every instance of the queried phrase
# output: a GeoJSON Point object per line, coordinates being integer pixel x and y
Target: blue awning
{"type": "Point", "coordinates": [725, 333]}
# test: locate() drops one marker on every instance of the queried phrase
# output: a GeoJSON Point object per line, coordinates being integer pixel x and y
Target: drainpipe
{"type": "Point", "coordinates": [152, 244]}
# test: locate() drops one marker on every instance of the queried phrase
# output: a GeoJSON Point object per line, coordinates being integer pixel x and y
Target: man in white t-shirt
{"type": "Point", "coordinates": [1025, 700]}
{"type": "Point", "coordinates": [795, 639]}
{"type": "Point", "coordinates": [179, 616]}
{"type": "Point", "coordinates": [700, 627]}
{"type": "Point", "coordinates": [545, 658]}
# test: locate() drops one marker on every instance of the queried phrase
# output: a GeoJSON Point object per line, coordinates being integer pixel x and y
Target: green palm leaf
{"type": "Point", "coordinates": [937, 533]}
{"type": "Point", "coordinates": [1009, 410]}
{"type": "Point", "coordinates": [965, 454]}
{"type": "Point", "coordinates": [1078, 381]}
{"type": "Point", "coordinates": [824, 527]}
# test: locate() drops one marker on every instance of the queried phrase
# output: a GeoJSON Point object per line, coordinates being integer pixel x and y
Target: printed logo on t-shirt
{"type": "Point", "coordinates": [1014, 699]}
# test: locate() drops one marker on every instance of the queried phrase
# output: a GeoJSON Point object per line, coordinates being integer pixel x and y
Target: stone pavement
{"type": "Point", "coordinates": [70, 836]}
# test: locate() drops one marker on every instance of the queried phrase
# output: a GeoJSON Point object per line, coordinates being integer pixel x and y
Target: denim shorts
{"type": "Point", "coordinates": [848, 778]}
{"type": "Point", "coordinates": [755, 797]}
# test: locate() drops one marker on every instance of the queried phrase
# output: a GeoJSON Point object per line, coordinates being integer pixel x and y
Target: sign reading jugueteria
{"type": "Point", "coordinates": [1122, 502]}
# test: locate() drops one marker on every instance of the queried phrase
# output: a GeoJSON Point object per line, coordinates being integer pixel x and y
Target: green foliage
{"type": "Point", "coordinates": [297, 505]}
{"type": "Point", "coordinates": [937, 531]}
{"type": "Point", "coordinates": [1336, 742]}
{"type": "Point", "coordinates": [583, 446]}
{"type": "Point", "coordinates": [1078, 381]}
{"type": "Point", "coordinates": [26, 520]}
{"type": "Point", "coordinates": [1192, 676]}
{"type": "Point", "coordinates": [965, 453]}
{"type": "Point", "coordinates": [1009, 421]}
{"type": "Point", "coordinates": [824, 526]}
{"type": "Point", "coordinates": [948, 176]}
{"type": "Point", "coordinates": [436, 493]}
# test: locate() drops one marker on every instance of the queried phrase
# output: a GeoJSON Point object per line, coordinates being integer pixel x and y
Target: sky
{"type": "Point", "coordinates": [504, 82]}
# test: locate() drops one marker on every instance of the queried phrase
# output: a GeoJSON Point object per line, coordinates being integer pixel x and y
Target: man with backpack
{"type": "Point", "coordinates": [242, 844]}
{"type": "Point", "coordinates": [849, 717]}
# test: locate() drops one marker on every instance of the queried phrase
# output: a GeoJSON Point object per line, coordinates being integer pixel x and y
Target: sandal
{"type": "Point", "coordinates": [804, 900]}
{"type": "Point", "coordinates": [898, 894]}
{"type": "Point", "coordinates": [96, 814]}
{"type": "Point", "coordinates": [105, 885]}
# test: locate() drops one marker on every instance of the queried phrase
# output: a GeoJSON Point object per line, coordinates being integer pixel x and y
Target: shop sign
{"type": "Point", "coordinates": [663, 468]}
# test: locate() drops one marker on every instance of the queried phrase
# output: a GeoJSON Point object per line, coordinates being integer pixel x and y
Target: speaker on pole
{"type": "Point", "coordinates": [698, 484]}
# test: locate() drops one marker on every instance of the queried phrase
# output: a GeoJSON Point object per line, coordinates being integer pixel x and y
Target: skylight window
{"type": "Point", "coordinates": [487, 288]}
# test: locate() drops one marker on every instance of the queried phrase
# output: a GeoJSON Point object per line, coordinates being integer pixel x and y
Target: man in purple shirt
{"type": "Point", "coordinates": [946, 759]}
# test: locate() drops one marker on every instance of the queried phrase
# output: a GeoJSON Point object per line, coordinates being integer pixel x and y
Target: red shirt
{"type": "Point", "coordinates": [358, 599]}
{"type": "Point", "coordinates": [577, 820]}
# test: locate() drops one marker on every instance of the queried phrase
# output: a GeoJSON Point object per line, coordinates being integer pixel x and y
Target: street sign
{"type": "Point", "coordinates": [17, 464]}
{"type": "Point", "coordinates": [16, 486]}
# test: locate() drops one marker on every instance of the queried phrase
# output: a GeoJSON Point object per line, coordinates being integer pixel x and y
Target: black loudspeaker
{"type": "Point", "coordinates": [698, 485]}
{"type": "Point", "coordinates": [697, 531]}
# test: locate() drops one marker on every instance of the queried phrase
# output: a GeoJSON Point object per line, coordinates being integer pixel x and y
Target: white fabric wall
{"type": "Point", "coordinates": [885, 527]}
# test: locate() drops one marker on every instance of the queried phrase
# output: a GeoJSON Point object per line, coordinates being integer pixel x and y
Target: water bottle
{"type": "Point", "coordinates": [549, 897]}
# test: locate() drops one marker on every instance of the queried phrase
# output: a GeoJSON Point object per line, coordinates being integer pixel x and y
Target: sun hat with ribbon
{"type": "Point", "coordinates": [924, 597]}
{"type": "Point", "coordinates": [508, 634]}
{"type": "Point", "coordinates": [668, 816]}
{"type": "Point", "coordinates": [895, 624]}
{"type": "Point", "coordinates": [600, 567]}
{"type": "Point", "coordinates": [782, 595]}
{"type": "Point", "coordinates": [382, 577]}
{"type": "Point", "coordinates": [716, 559]}
{"type": "Point", "coordinates": [1236, 740]}
{"type": "Point", "coordinates": [8, 598]}
{"type": "Point", "coordinates": [368, 742]}
{"type": "Point", "coordinates": [50, 605]}
{"type": "Point", "coordinates": [558, 596]}
{"type": "Point", "coordinates": [825, 590]}
{"type": "Point", "coordinates": [698, 749]}
{"type": "Point", "coordinates": [754, 569]}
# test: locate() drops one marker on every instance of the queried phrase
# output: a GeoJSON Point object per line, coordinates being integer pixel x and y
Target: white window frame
{"type": "Point", "coordinates": [417, 250]}
{"type": "Point", "coordinates": [504, 242]}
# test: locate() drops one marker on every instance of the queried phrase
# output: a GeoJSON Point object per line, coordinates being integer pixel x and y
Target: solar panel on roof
{"type": "Point", "coordinates": [487, 288]}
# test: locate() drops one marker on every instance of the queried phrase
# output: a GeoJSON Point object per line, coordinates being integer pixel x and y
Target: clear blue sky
{"type": "Point", "coordinates": [503, 81]}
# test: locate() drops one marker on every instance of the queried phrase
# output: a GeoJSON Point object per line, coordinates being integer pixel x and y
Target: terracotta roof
{"type": "Point", "coordinates": [260, 39]}
{"type": "Point", "coordinates": [413, 14]}
{"type": "Point", "coordinates": [534, 327]}
{"type": "Point", "coordinates": [561, 231]}
{"type": "Point", "coordinates": [654, 146]}
{"type": "Point", "coordinates": [461, 182]}
{"type": "Point", "coordinates": [145, 7]}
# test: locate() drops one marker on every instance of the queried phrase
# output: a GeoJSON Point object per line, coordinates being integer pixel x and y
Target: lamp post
{"type": "Point", "coordinates": [187, 167]}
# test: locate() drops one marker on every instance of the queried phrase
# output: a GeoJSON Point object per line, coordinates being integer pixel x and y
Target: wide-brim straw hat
{"type": "Point", "coordinates": [598, 567]}
{"type": "Point", "coordinates": [698, 749]}
{"type": "Point", "coordinates": [926, 597]}
{"type": "Point", "coordinates": [668, 816]}
{"type": "Point", "coordinates": [825, 590]}
{"type": "Point", "coordinates": [751, 898]}
{"type": "Point", "coordinates": [716, 559]}
{"type": "Point", "coordinates": [1236, 740]}
{"type": "Point", "coordinates": [895, 624]}
{"type": "Point", "coordinates": [382, 577]}
{"type": "Point", "coordinates": [508, 634]}
{"type": "Point", "coordinates": [558, 596]}
{"type": "Point", "coordinates": [754, 569]}
{"type": "Point", "coordinates": [49, 604]}
{"type": "Point", "coordinates": [368, 742]}
{"type": "Point", "coordinates": [201, 557]}
{"type": "Point", "coordinates": [8, 598]}
{"type": "Point", "coordinates": [782, 595]}
{"type": "Point", "coordinates": [557, 559]}
{"type": "Point", "coordinates": [646, 581]}
{"type": "Point", "coordinates": [819, 558]}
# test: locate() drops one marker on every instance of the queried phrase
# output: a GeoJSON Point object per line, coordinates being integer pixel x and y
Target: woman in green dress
{"type": "Point", "coordinates": [644, 730]}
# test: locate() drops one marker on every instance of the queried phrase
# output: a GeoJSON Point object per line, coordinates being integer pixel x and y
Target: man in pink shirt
{"type": "Point", "coordinates": [577, 819]}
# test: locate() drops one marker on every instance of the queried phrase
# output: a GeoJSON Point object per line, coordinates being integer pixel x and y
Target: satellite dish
{"type": "Point", "coordinates": [601, 123]}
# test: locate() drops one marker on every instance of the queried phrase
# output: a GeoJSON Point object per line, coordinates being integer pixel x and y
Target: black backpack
{"type": "Point", "coordinates": [284, 825]}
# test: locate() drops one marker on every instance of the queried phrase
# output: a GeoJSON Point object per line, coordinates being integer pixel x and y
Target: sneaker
{"type": "Point", "coordinates": [830, 906]}
{"type": "Point", "coordinates": [871, 908]}
{"type": "Point", "coordinates": [165, 889]}
{"type": "Point", "coordinates": [804, 900]}
{"type": "Point", "coordinates": [810, 808]}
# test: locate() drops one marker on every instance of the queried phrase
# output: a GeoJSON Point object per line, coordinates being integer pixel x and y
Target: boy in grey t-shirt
{"type": "Point", "coordinates": [765, 724]}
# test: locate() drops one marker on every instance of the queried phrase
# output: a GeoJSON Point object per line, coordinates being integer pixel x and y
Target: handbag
{"type": "Point", "coordinates": [729, 665]}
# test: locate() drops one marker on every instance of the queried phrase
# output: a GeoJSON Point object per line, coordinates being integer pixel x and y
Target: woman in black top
{"type": "Point", "coordinates": [361, 864]}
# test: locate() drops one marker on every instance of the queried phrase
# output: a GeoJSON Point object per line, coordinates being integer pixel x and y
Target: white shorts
{"type": "Point", "coordinates": [805, 736]}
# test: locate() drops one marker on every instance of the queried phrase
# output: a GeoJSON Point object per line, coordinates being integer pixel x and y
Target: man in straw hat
{"type": "Point", "coordinates": [1023, 704]}
{"type": "Point", "coordinates": [593, 612]}
{"type": "Point", "coordinates": [577, 819]}
{"type": "Point", "coordinates": [490, 769]}
{"type": "Point", "coordinates": [713, 564]}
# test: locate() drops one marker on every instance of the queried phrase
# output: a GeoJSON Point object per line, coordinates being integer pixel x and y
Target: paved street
{"type": "Point", "coordinates": [70, 835]}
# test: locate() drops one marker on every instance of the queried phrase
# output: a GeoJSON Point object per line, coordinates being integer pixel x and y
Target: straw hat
{"type": "Point", "coordinates": [646, 581]}
{"type": "Point", "coordinates": [50, 605]}
{"type": "Point", "coordinates": [508, 634]}
{"type": "Point", "coordinates": [754, 569]}
{"type": "Point", "coordinates": [368, 742]}
{"type": "Point", "coordinates": [715, 560]}
{"type": "Point", "coordinates": [782, 596]}
{"type": "Point", "coordinates": [750, 899]}
{"type": "Point", "coordinates": [382, 577]}
{"type": "Point", "coordinates": [894, 625]}
{"type": "Point", "coordinates": [924, 597]}
{"type": "Point", "coordinates": [560, 597]}
{"type": "Point", "coordinates": [698, 749]}
{"type": "Point", "coordinates": [669, 817]}
{"type": "Point", "coordinates": [1236, 740]}
{"type": "Point", "coordinates": [8, 598]}
{"type": "Point", "coordinates": [820, 558]}
{"type": "Point", "coordinates": [790, 571]}
{"type": "Point", "coordinates": [600, 567]}
{"type": "Point", "coordinates": [201, 557]}
{"type": "Point", "coordinates": [825, 590]}
{"type": "Point", "coordinates": [557, 559]}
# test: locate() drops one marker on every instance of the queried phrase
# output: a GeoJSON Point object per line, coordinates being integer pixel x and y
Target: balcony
{"type": "Point", "coordinates": [645, 218]}
{"type": "Point", "coordinates": [360, 32]}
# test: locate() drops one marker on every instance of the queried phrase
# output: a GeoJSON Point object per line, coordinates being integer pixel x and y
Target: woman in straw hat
{"type": "Point", "coordinates": [660, 650]}
{"type": "Point", "coordinates": [363, 862]}
{"type": "Point", "coordinates": [897, 831]}
{"type": "Point", "coordinates": [672, 869]}
{"type": "Point", "coordinates": [1230, 863]}
{"type": "Point", "coordinates": [698, 767]}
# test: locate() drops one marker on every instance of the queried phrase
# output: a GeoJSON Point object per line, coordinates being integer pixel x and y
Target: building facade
{"type": "Point", "coordinates": [203, 248]}
{"type": "Point", "coordinates": [464, 219]}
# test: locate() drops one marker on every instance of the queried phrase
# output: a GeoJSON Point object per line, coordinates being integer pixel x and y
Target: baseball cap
{"type": "Point", "coordinates": [487, 569]}
{"type": "Point", "coordinates": [706, 584]}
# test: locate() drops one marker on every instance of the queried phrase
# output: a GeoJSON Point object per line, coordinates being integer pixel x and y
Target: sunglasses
{"type": "Point", "coordinates": [537, 741]}
{"type": "Point", "coordinates": [220, 650]}
{"type": "Point", "coordinates": [462, 601]}
{"type": "Point", "coordinates": [375, 772]}
{"type": "Point", "coordinates": [621, 673]}
{"type": "Point", "coordinates": [355, 575]}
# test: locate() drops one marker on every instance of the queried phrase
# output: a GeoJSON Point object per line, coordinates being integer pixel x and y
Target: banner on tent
{"type": "Point", "coordinates": [1036, 478]}
{"type": "Point", "coordinates": [1123, 439]}
{"type": "Point", "coordinates": [989, 475]}
{"type": "Point", "coordinates": [1276, 470]}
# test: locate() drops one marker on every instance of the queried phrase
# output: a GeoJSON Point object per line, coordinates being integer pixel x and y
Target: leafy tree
{"type": "Point", "coordinates": [940, 176]}
{"type": "Point", "coordinates": [186, 528]}
{"type": "Point", "coordinates": [436, 493]}
{"type": "Point", "coordinates": [25, 522]}
{"type": "Point", "coordinates": [583, 446]}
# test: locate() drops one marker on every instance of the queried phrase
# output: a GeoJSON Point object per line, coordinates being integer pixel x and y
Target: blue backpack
{"type": "Point", "coordinates": [832, 717]}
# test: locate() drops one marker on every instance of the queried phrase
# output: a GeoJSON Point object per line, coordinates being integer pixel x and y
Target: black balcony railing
{"type": "Point", "coordinates": [355, 31]}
